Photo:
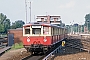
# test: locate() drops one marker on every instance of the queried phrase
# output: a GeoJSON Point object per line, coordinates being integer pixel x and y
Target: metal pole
{"type": "Point", "coordinates": [78, 29]}
{"type": "Point", "coordinates": [26, 10]}
{"type": "Point", "coordinates": [71, 28]}
{"type": "Point", "coordinates": [87, 27]}
{"type": "Point", "coordinates": [81, 27]}
{"type": "Point", "coordinates": [30, 11]}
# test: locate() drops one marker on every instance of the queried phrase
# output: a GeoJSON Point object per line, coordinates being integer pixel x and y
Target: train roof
{"type": "Point", "coordinates": [42, 23]}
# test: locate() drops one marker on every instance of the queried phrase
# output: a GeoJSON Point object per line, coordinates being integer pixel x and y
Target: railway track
{"type": "Point", "coordinates": [34, 57]}
{"type": "Point", "coordinates": [3, 42]}
{"type": "Point", "coordinates": [2, 51]}
{"type": "Point", "coordinates": [83, 43]}
{"type": "Point", "coordinates": [3, 45]}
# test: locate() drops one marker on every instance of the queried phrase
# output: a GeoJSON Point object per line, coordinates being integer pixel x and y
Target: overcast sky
{"type": "Point", "coordinates": [69, 10]}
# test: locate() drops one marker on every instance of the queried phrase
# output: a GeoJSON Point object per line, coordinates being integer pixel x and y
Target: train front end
{"type": "Point", "coordinates": [36, 37]}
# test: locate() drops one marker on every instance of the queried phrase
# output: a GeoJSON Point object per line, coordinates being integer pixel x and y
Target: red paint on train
{"type": "Point", "coordinates": [37, 40]}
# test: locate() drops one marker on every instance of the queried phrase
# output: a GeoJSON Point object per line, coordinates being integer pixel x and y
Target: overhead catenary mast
{"type": "Point", "coordinates": [30, 11]}
{"type": "Point", "coordinates": [26, 10]}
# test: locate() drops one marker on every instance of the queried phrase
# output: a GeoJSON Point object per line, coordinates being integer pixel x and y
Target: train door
{"type": "Point", "coordinates": [10, 39]}
{"type": "Point", "coordinates": [47, 35]}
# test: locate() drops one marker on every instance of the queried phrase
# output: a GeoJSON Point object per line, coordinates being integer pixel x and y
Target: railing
{"type": "Point", "coordinates": [53, 53]}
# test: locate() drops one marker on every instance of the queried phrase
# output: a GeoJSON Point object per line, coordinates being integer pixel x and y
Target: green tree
{"type": "Point", "coordinates": [1, 28]}
{"type": "Point", "coordinates": [87, 21]}
{"type": "Point", "coordinates": [4, 23]}
{"type": "Point", "coordinates": [17, 24]}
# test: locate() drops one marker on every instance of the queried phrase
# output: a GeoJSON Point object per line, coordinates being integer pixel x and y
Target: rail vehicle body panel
{"type": "Point", "coordinates": [37, 40]}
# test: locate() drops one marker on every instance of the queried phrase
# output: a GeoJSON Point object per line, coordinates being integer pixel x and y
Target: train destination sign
{"type": "Point", "coordinates": [36, 26]}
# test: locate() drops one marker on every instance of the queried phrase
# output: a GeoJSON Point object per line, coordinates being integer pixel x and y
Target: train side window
{"type": "Point", "coordinates": [56, 31]}
{"type": "Point", "coordinates": [27, 31]}
{"type": "Point", "coordinates": [59, 31]}
{"type": "Point", "coordinates": [45, 30]}
{"type": "Point", "coordinates": [63, 30]}
{"type": "Point", "coordinates": [52, 31]}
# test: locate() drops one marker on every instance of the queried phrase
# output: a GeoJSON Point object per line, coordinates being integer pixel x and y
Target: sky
{"type": "Point", "coordinates": [72, 11]}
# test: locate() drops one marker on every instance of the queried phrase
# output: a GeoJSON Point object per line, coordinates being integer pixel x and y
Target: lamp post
{"type": "Point", "coordinates": [71, 27]}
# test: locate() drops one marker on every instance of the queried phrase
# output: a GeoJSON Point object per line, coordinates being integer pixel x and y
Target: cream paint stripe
{"type": "Point", "coordinates": [36, 35]}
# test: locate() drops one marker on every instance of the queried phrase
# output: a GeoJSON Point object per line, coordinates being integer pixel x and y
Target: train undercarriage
{"type": "Point", "coordinates": [37, 48]}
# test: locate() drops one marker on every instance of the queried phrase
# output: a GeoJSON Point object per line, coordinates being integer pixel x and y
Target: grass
{"type": "Point", "coordinates": [17, 46]}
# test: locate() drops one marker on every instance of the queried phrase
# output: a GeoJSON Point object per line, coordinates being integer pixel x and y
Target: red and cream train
{"type": "Point", "coordinates": [40, 37]}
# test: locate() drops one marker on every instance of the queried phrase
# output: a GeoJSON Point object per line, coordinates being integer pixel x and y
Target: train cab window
{"type": "Point", "coordinates": [45, 30]}
{"type": "Point", "coordinates": [36, 30]}
{"type": "Point", "coordinates": [27, 31]}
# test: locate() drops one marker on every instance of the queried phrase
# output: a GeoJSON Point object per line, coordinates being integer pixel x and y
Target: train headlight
{"type": "Point", "coordinates": [28, 39]}
{"type": "Point", "coordinates": [45, 40]}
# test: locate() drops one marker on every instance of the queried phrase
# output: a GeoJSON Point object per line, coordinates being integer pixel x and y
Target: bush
{"type": "Point", "coordinates": [17, 45]}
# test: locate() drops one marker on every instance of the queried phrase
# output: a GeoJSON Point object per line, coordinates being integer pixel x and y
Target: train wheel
{"type": "Point", "coordinates": [45, 49]}
{"type": "Point", "coordinates": [33, 53]}
{"type": "Point", "coordinates": [44, 52]}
